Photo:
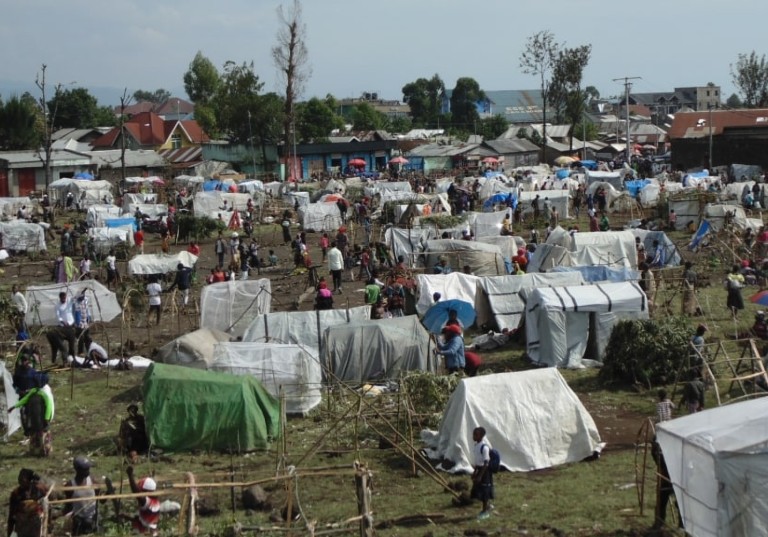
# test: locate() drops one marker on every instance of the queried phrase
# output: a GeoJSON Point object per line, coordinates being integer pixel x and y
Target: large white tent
{"type": "Point", "coordinates": [106, 238]}
{"type": "Point", "coordinates": [560, 200]}
{"type": "Point", "coordinates": [549, 256]}
{"type": "Point", "coordinates": [408, 242]}
{"type": "Point", "coordinates": [564, 323]}
{"type": "Point", "coordinates": [482, 259]}
{"type": "Point", "coordinates": [372, 350]}
{"type": "Point", "coordinates": [19, 236]}
{"type": "Point", "coordinates": [9, 422]}
{"type": "Point", "coordinates": [42, 300]}
{"type": "Point", "coordinates": [211, 204]}
{"type": "Point", "coordinates": [231, 306]}
{"type": "Point", "coordinates": [618, 247]}
{"type": "Point", "coordinates": [532, 418]}
{"type": "Point", "coordinates": [499, 298]}
{"type": "Point", "coordinates": [147, 264]}
{"type": "Point", "coordinates": [290, 370]}
{"type": "Point", "coordinates": [85, 192]}
{"type": "Point", "coordinates": [456, 285]}
{"type": "Point", "coordinates": [98, 214]}
{"type": "Point", "coordinates": [323, 216]}
{"type": "Point", "coordinates": [718, 463]}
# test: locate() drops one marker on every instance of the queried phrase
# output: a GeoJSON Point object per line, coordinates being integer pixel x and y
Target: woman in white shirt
{"type": "Point", "coordinates": [154, 290]}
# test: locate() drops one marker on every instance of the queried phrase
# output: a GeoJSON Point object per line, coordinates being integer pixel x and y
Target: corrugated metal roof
{"type": "Point", "coordinates": [441, 150]}
{"type": "Point", "coordinates": [33, 158]}
{"type": "Point", "coordinates": [142, 158]}
{"type": "Point", "coordinates": [509, 146]}
{"type": "Point", "coordinates": [697, 124]}
{"type": "Point", "coordinates": [182, 154]}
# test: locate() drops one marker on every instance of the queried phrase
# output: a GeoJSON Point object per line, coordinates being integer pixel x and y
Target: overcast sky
{"type": "Point", "coordinates": [377, 46]}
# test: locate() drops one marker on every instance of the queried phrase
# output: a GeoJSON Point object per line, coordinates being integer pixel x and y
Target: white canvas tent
{"type": "Point", "coordinates": [483, 259]}
{"type": "Point", "coordinates": [715, 215]}
{"type": "Point", "coordinates": [686, 210]}
{"type": "Point", "coordinates": [231, 306]}
{"type": "Point", "coordinates": [86, 193]}
{"type": "Point", "coordinates": [532, 418]}
{"type": "Point", "coordinates": [499, 298]}
{"type": "Point", "coordinates": [373, 350]}
{"type": "Point", "coordinates": [105, 238]}
{"type": "Point", "coordinates": [290, 370]}
{"type": "Point", "coordinates": [9, 423]}
{"type": "Point", "coordinates": [560, 200]}
{"type": "Point", "coordinates": [485, 224]}
{"type": "Point", "coordinates": [718, 463]}
{"type": "Point", "coordinates": [615, 178]}
{"type": "Point", "coordinates": [195, 349]}
{"type": "Point", "coordinates": [549, 256]}
{"type": "Point", "coordinates": [320, 216]}
{"type": "Point", "coordinates": [306, 328]}
{"type": "Point", "coordinates": [19, 236]}
{"type": "Point", "coordinates": [455, 285]}
{"type": "Point", "coordinates": [562, 324]}
{"type": "Point", "coordinates": [408, 242]}
{"type": "Point", "coordinates": [9, 207]}
{"type": "Point", "coordinates": [617, 247]}
{"type": "Point", "coordinates": [98, 214]}
{"type": "Point", "coordinates": [147, 264]}
{"type": "Point", "coordinates": [42, 300]}
{"type": "Point", "coordinates": [211, 204]}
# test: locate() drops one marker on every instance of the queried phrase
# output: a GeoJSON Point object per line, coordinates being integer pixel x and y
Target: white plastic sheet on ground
{"type": "Point", "coordinates": [532, 418]}
{"type": "Point", "coordinates": [718, 463]}
{"type": "Point", "coordinates": [231, 306]}
{"type": "Point", "coordinates": [290, 370]}
{"type": "Point", "coordinates": [42, 301]}
{"type": "Point", "coordinates": [146, 264]}
{"type": "Point", "coordinates": [320, 216]}
{"type": "Point", "coordinates": [454, 286]}
{"type": "Point", "coordinates": [22, 236]}
{"type": "Point", "coordinates": [9, 422]}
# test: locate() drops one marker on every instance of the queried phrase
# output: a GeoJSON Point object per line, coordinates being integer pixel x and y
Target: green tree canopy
{"type": "Point", "coordinates": [750, 76]}
{"type": "Point", "coordinates": [201, 81]}
{"type": "Point", "coordinates": [315, 120]}
{"type": "Point", "coordinates": [423, 97]}
{"type": "Point", "coordinates": [733, 101]}
{"type": "Point", "coordinates": [75, 108]}
{"type": "Point", "coordinates": [464, 99]}
{"type": "Point", "coordinates": [19, 127]}
{"type": "Point", "coordinates": [236, 99]}
{"type": "Point", "coordinates": [367, 118]}
{"type": "Point", "coordinates": [492, 127]}
{"type": "Point", "coordinates": [158, 96]}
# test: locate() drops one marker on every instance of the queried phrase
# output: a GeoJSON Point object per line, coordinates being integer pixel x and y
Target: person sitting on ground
{"type": "Point", "coordinates": [324, 297]}
{"type": "Point", "coordinates": [452, 349]}
{"type": "Point", "coordinates": [490, 341]}
{"type": "Point", "coordinates": [442, 266]}
{"type": "Point", "coordinates": [472, 363]}
{"type": "Point", "coordinates": [133, 435]}
{"type": "Point", "coordinates": [760, 327]}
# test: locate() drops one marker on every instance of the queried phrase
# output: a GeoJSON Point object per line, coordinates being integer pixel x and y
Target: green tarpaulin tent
{"type": "Point", "coordinates": [189, 408]}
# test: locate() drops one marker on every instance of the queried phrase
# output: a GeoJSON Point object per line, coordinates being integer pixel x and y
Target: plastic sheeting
{"type": "Point", "coordinates": [457, 285]}
{"type": "Point", "coordinates": [407, 242]}
{"type": "Point", "coordinates": [105, 238]}
{"type": "Point", "coordinates": [486, 224]}
{"type": "Point", "coordinates": [231, 306]}
{"type": "Point", "coordinates": [601, 273]}
{"type": "Point", "coordinates": [147, 264]}
{"type": "Point", "coordinates": [152, 210]}
{"type": "Point", "coordinates": [320, 217]}
{"type": "Point", "coordinates": [532, 418]}
{"type": "Point", "coordinates": [9, 422]}
{"type": "Point", "coordinates": [482, 259]}
{"type": "Point", "coordinates": [499, 298]}
{"type": "Point", "coordinates": [21, 236]}
{"type": "Point", "coordinates": [306, 328]}
{"type": "Point", "coordinates": [374, 350]}
{"type": "Point", "coordinates": [195, 349]}
{"type": "Point", "coordinates": [549, 256]}
{"type": "Point", "coordinates": [671, 255]}
{"type": "Point", "coordinates": [718, 463]}
{"type": "Point", "coordinates": [42, 300]}
{"type": "Point", "coordinates": [9, 207]}
{"type": "Point", "coordinates": [560, 200]}
{"type": "Point", "coordinates": [211, 203]}
{"type": "Point", "coordinates": [98, 214]}
{"type": "Point", "coordinates": [291, 370]}
{"type": "Point", "coordinates": [557, 319]}
{"type": "Point", "coordinates": [618, 246]}
{"type": "Point", "coordinates": [715, 214]}
{"type": "Point", "coordinates": [615, 179]}
{"type": "Point", "coordinates": [85, 192]}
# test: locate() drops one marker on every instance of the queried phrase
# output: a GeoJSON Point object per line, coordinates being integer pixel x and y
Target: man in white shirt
{"type": "Point", "coordinates": [154, 290]}
{"type": "Point", "coordinates": [482, 478]}
{"type": "Point", "coordinates": [66, 318]}
{"type": "Point", "coordinates": [335, 266]}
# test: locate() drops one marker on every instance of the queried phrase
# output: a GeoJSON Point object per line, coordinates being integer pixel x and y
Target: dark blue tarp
{"type": "Point", "coordinates": [635, 186]}
{"type": "Point", "coordinates": [501, 197]}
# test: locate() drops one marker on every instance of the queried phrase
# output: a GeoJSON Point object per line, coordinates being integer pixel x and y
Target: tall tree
{"type": "Point", "coordinates": [733, 101]}
{"type": "Point", "coordinates": [19, 125]}
{"type": "Point", "coordinates": [566, 95]}
{"type": "Point", "coordinates": [201, 81]}
{"type": "Point", "coordinates": [538, 59]}
{"type": "Point", "coordinates": [158, 96]}
{"type": "Point", "coordinates": [492, 127]}
{"type": "Point", "coordinates": [423, 97]}
{"type": "Point", "coordinates": [464, 101]}
{"type": "Point", "coordinates": [315, 120]}
{"type": "Point", "coordinates": [238, 96]}
{"type": "Point", "coordinates": [291, 58]}
{"type": "Point", "coordinates": [49, 120]}
{"type": "Point", "coordinates": [750, 76]}
{"type": "Point", "coordinates": [268, 122]}
{"type": "Point", "coordinates": [77, 108]}
{"type": "Point", "coordinates": [367, 118]}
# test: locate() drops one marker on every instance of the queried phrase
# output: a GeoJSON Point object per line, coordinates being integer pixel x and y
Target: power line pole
{"type": "Point", "coordinates": [627, 85]}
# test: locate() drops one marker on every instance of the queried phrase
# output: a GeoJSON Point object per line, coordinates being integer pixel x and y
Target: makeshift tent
{"type": "Point", "coordinates": [482, 259]}
{"type": "Point", "coordinates": [9, 207]}
{"type": "Point", "coordinates": [211, 204]}
{"type": "Point", "coordinates": [320, 217]}
{"type": "Point", "coordinates": [188, 180]}
{"type": "Point", "coordinates": [613, 196]}
{"type": "Point", "coordinates": [408, 242]}
{"type": "Point", "coordinates": [194, 349]}
{"type": "Point", "coordinates": [231, 306]}
{"type": "Point", "coordinates": [250, 187]}
{"type": "Point", "coordinates": [106, 238]}
{"type": "Point", "coordinates": [306, 328]}
{"type": "Point", "coordinates": [150, 210]}
{"type": "Point", "coordinates": [618, 247]}
{"type": "Point", "coordinates": [615, 179]}
{"type": "Point", "coordinates": [188, 409]}
{"type": "Point", "coordinates": [97, 214]}
{"type": "Point", "coordinates": [601, 273]}
{"type": "Point", "coordinates": [21, 236]}
{"type": "Point", "coordinates": [374, 350]}
{"type": "Point", "coordinates": [42, 300]}
{"type": "Point", "coordinates": [455, 285]}
{"type": "Point", "coordinates": [560, 200]}
{"type": "Point", "coordinates": [9, 422]}
{"type": "Point", "coordinates": [716, 216]}
{"type": "Point", "coordinates": [718, 463]}
{"type": "Point", "coordinates": [147, 264]}
{"type": "Point", "coordinates": [485, 224]}
{"type": "Point", "coordinates": [741, 171]}
{"type": "Point", "coordinates": [85, 192]}
{"type": "Point", "coordinates": [671, 255]}
{"type": "Point", "coordinates": [532, 418]}
{"type": "Point", "coordinates": [291, 370]}
{"type": "Point", "coordinates": [549, 257]}
{"type": "Point", "coordinates": [499, 300]}
{"type": "Point", "coordinates": [565, 324]}
{"type": "Point", "coordinates": [292, 197]}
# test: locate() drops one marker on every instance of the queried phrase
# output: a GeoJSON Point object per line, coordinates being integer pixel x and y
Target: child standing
{"type": "Point", "coordinates": [664, 407]}
{"type": "Point", "coordinates": [325, 242]}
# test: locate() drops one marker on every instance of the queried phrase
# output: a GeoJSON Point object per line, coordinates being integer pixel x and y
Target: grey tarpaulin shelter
{"type": "Point", "coordinates": [718, 463]}
{"type": "Point", "coordinates": [483, 259]}
{"type": "Point", "coordinates": [565, 324]}
{"type": "Point", "coordinates": [231, 306]}
{"type": "Point", "coordinates": [372, 350]}
{"type": "Point", "coordinates": [532, 418]}
{"type": "Point", "coordinates": [195, 349]}
{"type": "Point", "coordinates": [322, 216]}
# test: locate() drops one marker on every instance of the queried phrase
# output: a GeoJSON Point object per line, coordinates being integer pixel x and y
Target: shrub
{"type": "Point", "coordinates": [197, 227]}
{"type": "Point", "coordinates": [648, 352]}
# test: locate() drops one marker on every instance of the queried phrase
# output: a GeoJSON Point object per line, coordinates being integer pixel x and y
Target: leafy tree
{"type": "Point", "coordinates": [592, 93]}
{"type": "Point", "coordinates": [492, 127]}
{"type": "Point", "coordinates": [316, 120]}
{"type": "Point", "coordinates": [367, 118]}
{"type": "Point", "coordinates": [400, 124]}
{"type": "Point", "coordinates": [538, 59]}
{"type": "Point", "coordinates": [423, 97]}
{"type": "Point", "coordinates": [201, 81]}
{"type": "Point", "coordinates": [464, 99]}
{"type": "Point", "coordinates": [158, 96]}
{"type": "Point", "coordinates": [237, 97]}
{"type": "Point", "coordinates": [268, 121]}
{"type": "Point", "coordinates": [733, 101]}
{"type": "Point", "coordinates": [291, 58]}
{"type": "Point", "coordinates": [565, 94]}
{"type": "Point", "coordinates": [750, 76]}
{"type": "Point", "coordinates": [104, 116]}
{"type": "Point", "coordinates": [77, 108]}
{"type": "Point", "coordinates": [19, 128]}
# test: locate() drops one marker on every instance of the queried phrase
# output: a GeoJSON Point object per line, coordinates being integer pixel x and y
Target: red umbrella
{"type": "Point", "coordinates": [399, 160]}
{"type": "Point", "coordinates": [357, 163]}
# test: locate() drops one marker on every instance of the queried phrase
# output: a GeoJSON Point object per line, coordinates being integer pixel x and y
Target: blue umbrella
{"type": "Point", "coordinates": [437, 315]}
{"type": "Point", "coordinates": [83, 175]}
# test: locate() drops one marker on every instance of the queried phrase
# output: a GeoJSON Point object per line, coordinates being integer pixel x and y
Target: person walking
{"type": "Point", "coordinates": [219, 249]}
{"type": "Point", "coordinates": [183, 281]}
{"type": "Point", "coordinates": [482, 477]}
{"type": "Point", "coordinates": [734, 282]}
{"type": "Point", "coordinates": [155, 301]}
{"type": "Point", "coordinates": [335, 266]}
{"type": "Point", "coordinates": [25, 507]}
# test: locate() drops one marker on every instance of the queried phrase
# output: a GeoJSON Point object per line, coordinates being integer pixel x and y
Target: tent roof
{"type": "Point", "coordinates": [194, 349]}
{"type": "Point", "coordinates": [597, 297]}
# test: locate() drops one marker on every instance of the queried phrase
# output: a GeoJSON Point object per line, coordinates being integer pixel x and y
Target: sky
{"type": "Point", "coordinates": [358, 46]}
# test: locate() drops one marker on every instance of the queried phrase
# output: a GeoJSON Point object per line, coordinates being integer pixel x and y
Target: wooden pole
{"type": "Point", "coordinates": [363, 491]}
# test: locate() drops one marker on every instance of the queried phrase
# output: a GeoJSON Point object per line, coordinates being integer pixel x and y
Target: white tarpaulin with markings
{"type": "Point", "coordinates": [231, 306]}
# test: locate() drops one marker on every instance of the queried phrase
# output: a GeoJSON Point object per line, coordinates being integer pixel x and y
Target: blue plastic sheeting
{"type": "Point", "coordinates": [210, 186]}
{"type": "Point", "coordinates": [118, 222]}
{"type": "Point", "coordinates": [588, 164]}
{"type": "Point", "coordinates": [83, 176]}
{"type": "Point", "coordinates": [563, 174]}
{"type": "Point", "coordinates": [501, 197]}
{"type": "Point", "coordinates": [491, 173]}
{"type": "Point", "coordinates": [635, 186]}
{"type": "Point", "coordinates": [704, 228]}
{"type": "Point", "coordinates": [602, 273]}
